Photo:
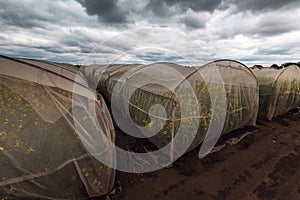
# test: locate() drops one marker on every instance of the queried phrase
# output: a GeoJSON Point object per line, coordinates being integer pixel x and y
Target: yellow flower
{"type": "Point", "coordinates": [30, 150]}
{"type": "Point", "coordinates": [12, 189]}
{"type": "Point", "coordinates": [97, 183]}
{"type": "Point", "coordinates": [1, 149]}
{"type": "Point", "coordinates": [150, 124]}
{"type": "Point", "coordinates": [85, 118]}
{"type": "Point", "coordinates": [73, 178]}
{"type": "Point", "coordinates": [2, 134]}
{"type": "Point", "coordinates": [18, 143]}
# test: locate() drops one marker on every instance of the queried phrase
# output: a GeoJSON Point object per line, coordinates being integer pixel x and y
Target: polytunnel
{"type": "Point", "coordinates": [52, 66]}
{"type": "Point", "coordinates": [42, 155]}
{"type": "Point", "coordinates": [135, 91]}
{"type": "Point", "coordinates": [279, 90]}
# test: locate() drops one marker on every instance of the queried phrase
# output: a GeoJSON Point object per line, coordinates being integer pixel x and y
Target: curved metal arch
{"type": "Point", "coordinates": [234, 61]}
{"type": "Point", "coordinates": [196, 69]}
{"type": "Point", "coordinates": [48, 71]}
{"type": "Point", "coordinates": [48, 63]}
{"type": "Point", "coordinates": [283, 71]}
{"type": "Point", "coordinates": [216, 61]}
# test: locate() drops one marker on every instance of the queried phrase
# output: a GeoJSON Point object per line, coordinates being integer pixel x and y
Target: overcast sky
{"type": "Point", "coordinates": [180, 31]}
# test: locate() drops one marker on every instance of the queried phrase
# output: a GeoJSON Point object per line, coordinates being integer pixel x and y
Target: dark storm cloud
{"type": "Point", "coordinates": [30, 14]}
{"type": "Point", "coordinates": [55, 49]}
{"type": "Point", "coordinates": [59, 50]}
{"type": "Point", "coordinates": [161, 7]}
{"type": "Point", "coordinates": [83, 46]}
{"type": "Point", "coordinates": [18, 15]}
{"type": "Point", "coordinates": [25, 20]}
{"type": "Point", "coordinates": [274, 51]}
{"type": "Point", "coordinates": [260, 5]}
{"type": "Point", "coordinates": [23, 52]}
{"type": "Point", "coordinates": [193, 22]}
{"type": "Point", "coordinates": [107, 11]}
{"type": "Point", "coordinates": [254, 31]}
{"type": "Point", "coordinates": [269, 27]}
{"type": "Point", "coordinates": [273, 24]}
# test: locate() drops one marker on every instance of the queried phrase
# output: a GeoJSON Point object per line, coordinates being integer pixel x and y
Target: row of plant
{"type": "Point", "coordinates": [241, 102]}
{"type": "Point", "coordinates": [279, 90]}
{"type": "Point", "coordinates": [40, 147]}
{"type": "Point", "coordinates": [41, 153]}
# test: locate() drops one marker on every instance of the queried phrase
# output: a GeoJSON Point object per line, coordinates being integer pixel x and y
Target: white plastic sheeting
{"type": "Point", "coordinates": [41, 153]}
{"type": "Point", "coordinates": [279, 90]}
{"type": "Point", "coordinates": [143, 86]}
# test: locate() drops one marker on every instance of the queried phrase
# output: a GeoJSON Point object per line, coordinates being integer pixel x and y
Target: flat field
{"type": "Point", "coordinates": [263, 165]}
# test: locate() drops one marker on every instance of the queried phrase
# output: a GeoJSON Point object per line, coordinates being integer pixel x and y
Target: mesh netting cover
{"type": "Point", "coordinates": [279, 90]}
{"type": "Point", "coordinates": [145, 86]}
{"type": "Point", "coordinates": [41, 153]}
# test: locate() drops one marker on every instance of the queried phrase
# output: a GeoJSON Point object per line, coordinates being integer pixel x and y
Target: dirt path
{"type": "Point", "coordinates": [264, 165]}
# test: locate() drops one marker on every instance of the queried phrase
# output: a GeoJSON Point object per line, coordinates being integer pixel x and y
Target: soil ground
{"type": "Point", "coordinates": [263, 165]}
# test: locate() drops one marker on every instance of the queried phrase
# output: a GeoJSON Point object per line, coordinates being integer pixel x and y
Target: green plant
{"type": "Point", "coordinates": [40, 151]}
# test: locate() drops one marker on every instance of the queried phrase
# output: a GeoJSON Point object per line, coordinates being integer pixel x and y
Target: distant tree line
{"type": "Point", "coordinates": [275, 66]}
